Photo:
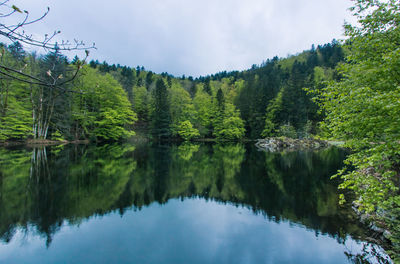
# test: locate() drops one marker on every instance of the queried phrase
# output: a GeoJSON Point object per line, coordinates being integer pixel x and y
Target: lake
{"type": "Point", "coordinates": [176, 203]}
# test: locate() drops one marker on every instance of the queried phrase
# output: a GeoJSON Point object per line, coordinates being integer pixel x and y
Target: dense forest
{"type": "Point", "coordinates": [112, 102]}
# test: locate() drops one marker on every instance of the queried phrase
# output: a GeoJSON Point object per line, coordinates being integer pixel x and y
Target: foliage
{"type": "Point", "coordinates": [271, 116]}
{"type": "Point", "coordinates": [182, 108]}
{"type": "Point", "coordinates": [228, 124]}
{"type": "Point", "coordinates": [57, 136]}
{"type": "Point", "coordinates": [103, 110]}
{"type": "Point", "coordinates": [307, 132]}
{"type": "Point", "coordinates": [274, 92]}
{"type": "Point", "coordinates": [363, 108]}
{"type": "Point", "coordinates": [161, 117]}
{"type": "Point", "coordinates": [287, 130]}
{"type": "Point", "coordinates": [204, 108]}
{"type": "Point", "coordinates": [141, 102]}
{"type": "Point", "coordinates": [186, 131]}
{"type": "Point", "coordinates": [15, 115]}
{"type": "Point", "coordinates": [252, 103]}
{"type": "Point", "coordinates": [15, 106]}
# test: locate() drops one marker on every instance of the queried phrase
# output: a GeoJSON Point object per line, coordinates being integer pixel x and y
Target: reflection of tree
{"type": "Point", "coordinates": [14, 166]}
{"type": "Point", "coordinates": [74, 183]}
{"type": "Point", "coordinates": [98, 179]}
{"type": "Point", "coordinates": [51, 187]}
{"type": "Point", "coordinates": [47, 191]}
{"type": "Point", "coordinates": [162, 160]}
{"type": "Point", "coordinates": [296, 186]}
{"type": "Point", "coordinates": [186, 150]}
{"type": "Point", "coordinates": [228, 159]}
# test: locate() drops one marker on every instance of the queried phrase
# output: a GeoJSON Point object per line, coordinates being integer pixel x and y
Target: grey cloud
{"type": "Point", "coordinates": [194, 37]}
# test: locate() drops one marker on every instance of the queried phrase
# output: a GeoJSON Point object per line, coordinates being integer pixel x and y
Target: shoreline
{"type": "Point", "coordinates": [46, 142]}
{"type": "Point", "coordinates": [41, 142]}
{"type": "Point", "coordinates": [278, 144]}
{"type": "Point", "coordinates": [298, 143]}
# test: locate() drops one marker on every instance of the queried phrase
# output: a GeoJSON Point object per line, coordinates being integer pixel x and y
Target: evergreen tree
{"type": "Point", "coordinates": [220, 100]}
{"type": "Point", "coordinates": [207, 86]}
{"type": "Point", "coordinates": [149, 78]}
{"type": "Point", "coordinates": [161, 117]}
{"type": "Point", "coordinates": [76, 60]}
{"type": "Point", "coordinates": [17, 51]}
{"type": "Point", "coordinates": [93, 64]}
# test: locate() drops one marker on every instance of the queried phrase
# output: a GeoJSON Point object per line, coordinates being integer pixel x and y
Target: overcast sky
{"type": "Point", "coordinates": [192, 37]}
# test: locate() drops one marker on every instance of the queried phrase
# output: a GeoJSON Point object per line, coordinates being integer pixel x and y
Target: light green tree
{"type": "Point", "coordinates": [141, 101]}
{"type": "Point", "coordinates": [101, 109]}
{"type": "Point", "coordinates": [363, 108]}
{"type": "Point", "coordinates": [287, 130]}
{"type": "Point", "coordinates": [228, 124]}
{"type": "Point", "coordinates": [271, 115]}
{"type": "Point", "coordinates": [187, 131]}
{"type": "Point", "coordinates": [204, 108]}
{"type": "Point", "coordinates": [15, 106]}
{"type": "Point", "coordinates": [182, 108]}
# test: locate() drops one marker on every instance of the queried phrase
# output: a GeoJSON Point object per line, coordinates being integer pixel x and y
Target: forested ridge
{"type": "Point", "coordinates": [112, 102]}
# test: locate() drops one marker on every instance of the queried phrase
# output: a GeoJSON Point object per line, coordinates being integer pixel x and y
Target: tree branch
{"type": "Point", "coordinates": [16, 33]}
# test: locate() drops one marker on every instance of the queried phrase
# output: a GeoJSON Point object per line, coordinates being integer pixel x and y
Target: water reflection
{"type": "Point", "coordinates": [46, 190]}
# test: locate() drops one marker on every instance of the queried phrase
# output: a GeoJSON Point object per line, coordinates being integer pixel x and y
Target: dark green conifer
{"type": "Point", "coordinates": [161, 118]}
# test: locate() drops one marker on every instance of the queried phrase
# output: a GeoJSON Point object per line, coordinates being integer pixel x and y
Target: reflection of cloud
{"type": "Point", "coordinates": [194, 37]}
{"type": "Point", "coordinates": [193, 231]}
{"type": "Point", "coordinates": [253, 239]}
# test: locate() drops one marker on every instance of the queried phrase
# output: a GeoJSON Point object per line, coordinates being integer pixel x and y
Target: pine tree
{"type": "Point", "coordinates": [207, 86]}
{"type": "Point", "coordinates": [17, 51]}
{"type": "Point", "coordinates": [161, 117]}
{"type": "Point", "coordinates": [220, 100]}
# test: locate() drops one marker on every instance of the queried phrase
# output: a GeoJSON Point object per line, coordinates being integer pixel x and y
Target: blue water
{"type": "Point", "coordinates": [175, 204]}
{"type": "Point", "coordinates": [192, 231]}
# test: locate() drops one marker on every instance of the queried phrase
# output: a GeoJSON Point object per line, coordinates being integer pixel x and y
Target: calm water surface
{"type": "Point", "coordinates": [187, 203]}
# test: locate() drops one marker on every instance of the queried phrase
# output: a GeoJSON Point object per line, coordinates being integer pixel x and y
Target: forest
{"type": "Point", "coordinates": [112, 102]}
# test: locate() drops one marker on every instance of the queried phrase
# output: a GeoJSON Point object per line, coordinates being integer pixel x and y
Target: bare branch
{"type": "Point", "coordinates": [4, 2]}
{"type": "Point", "coordinates": [20, 79]}
{"type": "Point", "coordinates": [9, 14]}
{"type": "Point", "coordinates": [21, 73]}
{"type": "Point", "coordinates": [16, 33]}
{"type": "Point", "coordinates": [38, 83]}
{"type": "Point", "coordinates": [19, 25]}
{"type": "Point", "coordinates": [38, 19]}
